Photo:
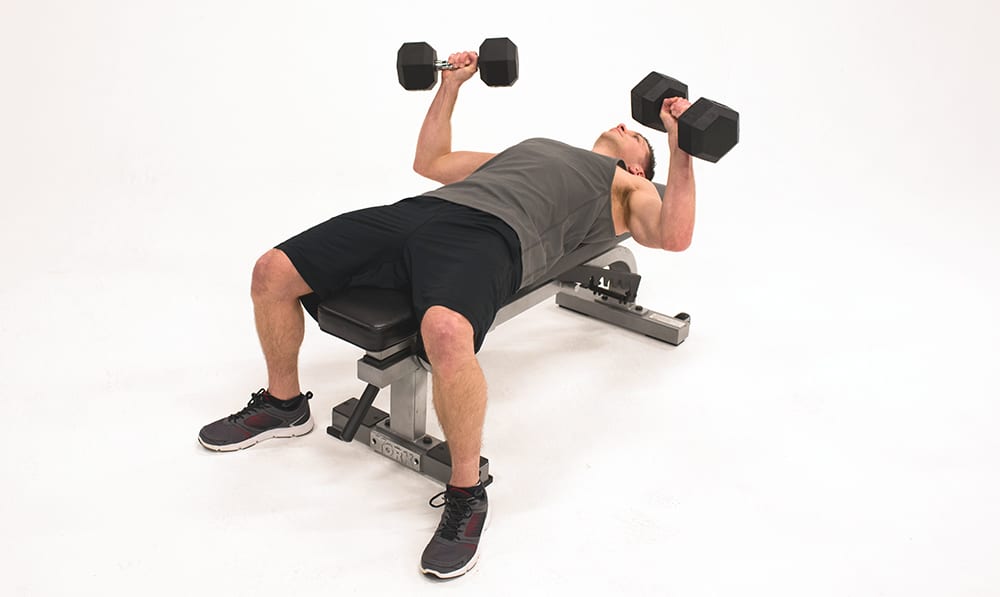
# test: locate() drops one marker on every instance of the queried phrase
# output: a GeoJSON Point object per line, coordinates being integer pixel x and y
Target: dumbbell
{"type": "Point", "coordinates": [417, 64]}
{"type": "Point", "coordinates": [706, 130]}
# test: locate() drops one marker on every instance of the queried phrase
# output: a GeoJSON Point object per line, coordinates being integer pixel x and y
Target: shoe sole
{"type": "Point", "coordinates": [472, 563]}
{"type": "Point", "coordinates": [280, 432]}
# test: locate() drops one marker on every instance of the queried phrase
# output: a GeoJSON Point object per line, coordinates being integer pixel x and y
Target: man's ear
{"type": "Point", "coordinates": [637, 170]}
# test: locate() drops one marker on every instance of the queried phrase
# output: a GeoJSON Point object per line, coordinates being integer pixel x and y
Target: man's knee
{"type": "Point", "coordinates": [275, 276]}
{"type": "Point", "coordinates": [446, 334]}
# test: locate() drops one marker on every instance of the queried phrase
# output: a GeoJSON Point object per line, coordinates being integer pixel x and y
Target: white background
{"type": "Point", "coordinates": [828, 429]}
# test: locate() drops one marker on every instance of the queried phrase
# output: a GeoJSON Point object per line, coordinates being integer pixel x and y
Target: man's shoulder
{"type": "Point", "coordinates": [625, 182]}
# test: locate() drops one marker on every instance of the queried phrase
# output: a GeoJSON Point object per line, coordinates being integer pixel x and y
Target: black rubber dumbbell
{"type": "Point", "coordinates": [706, 130]}
{"type": "Point", "coordinates": [417, 65]}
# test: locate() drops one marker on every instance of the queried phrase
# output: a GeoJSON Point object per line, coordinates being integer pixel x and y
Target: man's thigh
{"type": "Point", "coordinates": [469, 265]}
{"type": "Point", "coordinates": [364, 243]}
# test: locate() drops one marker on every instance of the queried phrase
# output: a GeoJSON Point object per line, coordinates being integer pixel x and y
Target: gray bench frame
{"type": "Point", "coordinates": [401, 433]}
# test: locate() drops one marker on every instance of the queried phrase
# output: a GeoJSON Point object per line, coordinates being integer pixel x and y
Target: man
{"type": "Point", "coordinates": [497, 225]}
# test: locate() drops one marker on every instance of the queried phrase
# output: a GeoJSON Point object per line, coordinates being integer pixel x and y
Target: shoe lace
{"type": "Point", "coordinates": [457, 510]}
{"type": "Point", "coordinates": [255, 404]}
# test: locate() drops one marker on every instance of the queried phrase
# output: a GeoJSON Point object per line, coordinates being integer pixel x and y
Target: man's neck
{"type": "Point", "coordinates": [604, 149]}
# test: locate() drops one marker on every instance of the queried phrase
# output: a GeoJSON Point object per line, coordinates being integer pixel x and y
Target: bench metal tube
{"type": "Point", "coordinates": [351, 428]}
{"type": "Point", "coordinates": [408, 404]}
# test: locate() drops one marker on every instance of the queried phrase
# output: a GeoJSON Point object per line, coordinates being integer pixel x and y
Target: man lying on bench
{"type": "Point", "coordinates": [498, 225]}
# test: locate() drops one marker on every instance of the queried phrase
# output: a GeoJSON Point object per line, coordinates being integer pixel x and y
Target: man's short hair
{"type": "Point", "coordinates": [651, 163]}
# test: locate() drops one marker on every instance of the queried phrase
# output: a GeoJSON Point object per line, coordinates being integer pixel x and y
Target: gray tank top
{"type": "Point", "coordinates": [554, 196]}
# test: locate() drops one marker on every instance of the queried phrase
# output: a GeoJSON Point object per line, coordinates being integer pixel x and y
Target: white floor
{"type": "Point", "coordinates": [828, 429]}
{"type": "Point", "coordinates": [819, 433]}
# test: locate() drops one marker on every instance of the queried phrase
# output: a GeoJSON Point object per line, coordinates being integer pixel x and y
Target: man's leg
{"type": "Point", "coordinates": [280, 411]}
{"type": "Point", "coordinates": [319, 262]}
{"type": "Point", "coordinates": [463, 266]}
{"type": "Point", "coordinates": [459, 389]}
{"type": "Point", "coordinates": [275, 289]}
{"type": "Point", "coordinates": [460, 402]}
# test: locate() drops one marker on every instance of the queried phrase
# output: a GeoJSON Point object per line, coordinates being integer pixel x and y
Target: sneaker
{"type": "Point", "coordinates": [454, 548]}
{"type": "Point", "coordinates": [259, 420]}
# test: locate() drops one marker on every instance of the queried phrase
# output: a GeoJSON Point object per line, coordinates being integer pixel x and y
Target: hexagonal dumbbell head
{"type": "Point", "coordinates": [498, 62]}
{"type": "Point", "coordinates": [648, 96]}
{"type": "Point", "coordinates": [708, 130]}
{"type": "Point", "coordinates": [415, 65]}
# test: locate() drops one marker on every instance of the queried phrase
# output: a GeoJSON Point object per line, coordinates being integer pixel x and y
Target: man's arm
{"type": "Point", "coordinates": [434, 157]}
{"type": "Point", "coordinates": [666, 224]}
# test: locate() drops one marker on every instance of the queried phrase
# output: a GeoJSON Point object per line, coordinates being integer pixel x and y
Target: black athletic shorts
{"type": "Point", "coordinates": [442, 253]}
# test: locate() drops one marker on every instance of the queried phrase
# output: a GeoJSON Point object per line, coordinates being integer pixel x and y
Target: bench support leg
{"type": "Point", "coordinates": [401, 437]}
{"type": "Point", "coordinates": [408, 405]}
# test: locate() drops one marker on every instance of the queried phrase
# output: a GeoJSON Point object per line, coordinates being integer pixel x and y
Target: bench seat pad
{"type": "Point", "coordinates": [377, 318]}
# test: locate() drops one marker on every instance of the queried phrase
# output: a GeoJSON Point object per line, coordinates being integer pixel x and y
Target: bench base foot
{"type": "Point", "coordinates": [426, 455]}
{"type": "Point", "coordinates": [672, 330]}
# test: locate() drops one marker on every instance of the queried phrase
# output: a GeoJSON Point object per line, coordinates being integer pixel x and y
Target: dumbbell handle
{"type": "Point", "coordinates": [444, 65]}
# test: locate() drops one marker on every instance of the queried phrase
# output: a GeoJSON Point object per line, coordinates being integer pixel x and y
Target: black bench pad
{"type": "Point", "coordinates": [372, 318]}
{"type": "Point", "coordinates": [376, 318]}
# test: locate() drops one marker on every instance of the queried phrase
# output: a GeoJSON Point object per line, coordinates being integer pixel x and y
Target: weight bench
{"type": "Point", "coordinates": [597, 280]}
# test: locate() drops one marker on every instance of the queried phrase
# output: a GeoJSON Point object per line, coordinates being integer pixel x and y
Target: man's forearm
{"type": "Point", "coordinates": [677, 212]}
{"type": "Point", "coordinates": [435, 134]}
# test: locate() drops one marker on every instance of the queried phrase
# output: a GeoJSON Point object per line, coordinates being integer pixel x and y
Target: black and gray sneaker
{"type": "Point", "coordinates": [454, 548]}
{"type": "Point", "coordinates": [262, 418]}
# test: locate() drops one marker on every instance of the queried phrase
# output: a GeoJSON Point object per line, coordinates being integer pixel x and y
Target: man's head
{"type": "Point", "coordinates": [630, 147]}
